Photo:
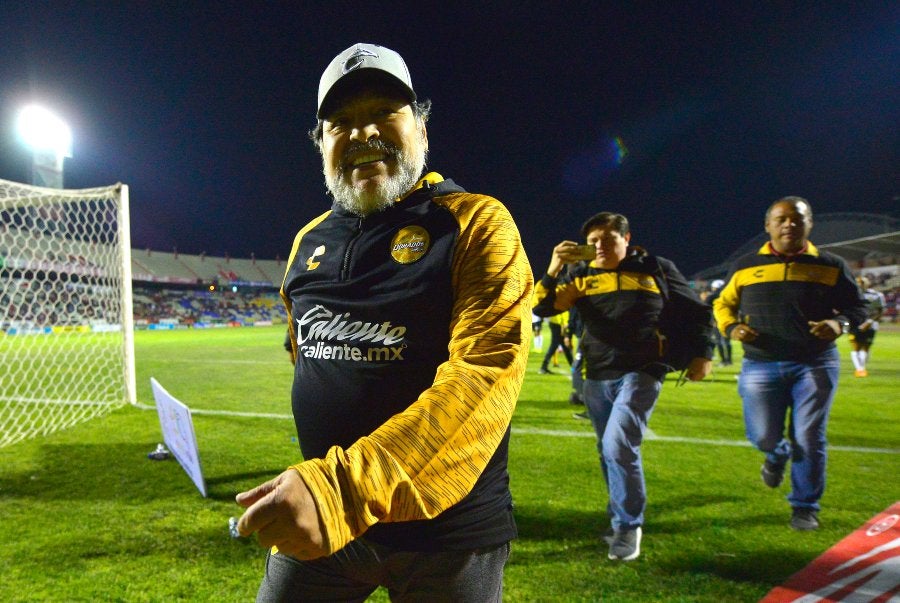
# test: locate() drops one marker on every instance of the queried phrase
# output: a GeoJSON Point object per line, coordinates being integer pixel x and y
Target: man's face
{"type": "Point", "coordinates": [373, 151]}
{"type": "Point", "coordinates": [788, 226]}
{"type": "Point", "coordinates": [610, 244]}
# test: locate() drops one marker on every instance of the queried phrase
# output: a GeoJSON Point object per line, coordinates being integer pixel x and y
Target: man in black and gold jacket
{"type": "Point", "coordinates": [635, 307]}
{"type": "Point", "coordinates": [786, 304]}
{"type": "Point", "coordinates": [409, 307]}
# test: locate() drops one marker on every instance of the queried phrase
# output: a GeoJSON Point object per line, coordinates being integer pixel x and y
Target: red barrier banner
{"type": "Point", "coordinates": [864, 566]}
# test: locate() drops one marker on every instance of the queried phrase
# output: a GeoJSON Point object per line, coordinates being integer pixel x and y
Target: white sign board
{"type": "Point", "coordinates": [178, 433]}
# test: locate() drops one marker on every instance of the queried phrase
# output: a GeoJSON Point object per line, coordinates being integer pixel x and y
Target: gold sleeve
{"type": "Point", "coordinates": [725, 306]}
{"type": "Point", "coordinates": [428, 457]}
{"type": "Point", "coordinates": [564, 296]}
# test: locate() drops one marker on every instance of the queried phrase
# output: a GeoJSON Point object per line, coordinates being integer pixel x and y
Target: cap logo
{"type": "Point", "coordinates": [356, 60]}
{"type": "Point", "coordinates": [410, 244]}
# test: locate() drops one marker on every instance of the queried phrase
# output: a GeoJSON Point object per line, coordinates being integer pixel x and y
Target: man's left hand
{"type": "Point", "coordinates": [828, 329]}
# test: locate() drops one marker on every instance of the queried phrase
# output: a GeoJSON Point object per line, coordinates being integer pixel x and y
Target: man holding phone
{"type": "Point", "coordinates": [622, 294]}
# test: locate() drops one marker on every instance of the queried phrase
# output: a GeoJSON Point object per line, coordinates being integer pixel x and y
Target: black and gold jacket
{"type": "Point", "coordinates": [624, 312]}
{"type": "Point", "coordinates": [778, 296]}
{"type": "Point", "coordinates": [410, 334]}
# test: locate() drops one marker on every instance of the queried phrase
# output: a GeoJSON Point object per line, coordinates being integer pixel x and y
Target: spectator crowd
{"type": "Point", "coordinates": [205, 307]}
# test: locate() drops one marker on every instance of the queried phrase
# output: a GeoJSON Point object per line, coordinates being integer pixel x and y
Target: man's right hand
{"type": "Point", "coordinates": [283, 513]}
{"type": "Point", "coordinates": [564, 253]}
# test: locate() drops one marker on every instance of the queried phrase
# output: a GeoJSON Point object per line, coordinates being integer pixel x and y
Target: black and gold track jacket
{"type": "Point", "coordinates": [410, 333]}
{"type": "Point", "coordinates": [623, 311]}
{"type": "Point", "coordinates": [778, 296]}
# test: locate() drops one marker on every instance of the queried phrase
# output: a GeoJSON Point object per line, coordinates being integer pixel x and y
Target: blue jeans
{"type": "Point", "coordinates": [619, 410]}
{"type": "Point", "coordinates": [768, 390]}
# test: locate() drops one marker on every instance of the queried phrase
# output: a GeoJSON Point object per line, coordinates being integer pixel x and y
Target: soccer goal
{"type": "Point", "coordinates": [66, 324]}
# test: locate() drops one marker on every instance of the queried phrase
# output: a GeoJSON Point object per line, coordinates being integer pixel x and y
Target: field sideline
{"type": "Point", "coordinates": [86, 516]}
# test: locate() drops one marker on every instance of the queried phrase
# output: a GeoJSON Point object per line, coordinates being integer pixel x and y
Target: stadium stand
{"type": "Point", "coordinates": [158, 266]}
{"type": "Point", "coordinates": [173, 290]}
{"type": "Point", "coordinates": [171, 308]}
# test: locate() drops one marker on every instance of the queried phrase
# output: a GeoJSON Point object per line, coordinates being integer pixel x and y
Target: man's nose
{"type": "Point", "coordinates": [364, 132]}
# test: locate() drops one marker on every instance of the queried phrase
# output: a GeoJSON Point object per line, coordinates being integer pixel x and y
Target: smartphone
{"type": "Point", "coordinates": [586, 252]}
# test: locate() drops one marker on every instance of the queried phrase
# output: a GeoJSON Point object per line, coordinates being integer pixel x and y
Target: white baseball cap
{"type": "Point", "coordinates": [364, 59]}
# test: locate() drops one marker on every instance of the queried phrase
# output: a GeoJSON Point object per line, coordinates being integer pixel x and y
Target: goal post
{"type": "Point", "coordinates": [66, 322]}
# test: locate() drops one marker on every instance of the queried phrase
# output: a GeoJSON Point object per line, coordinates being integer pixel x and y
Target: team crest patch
{"type": "Point", "coordinates": [410, 244]}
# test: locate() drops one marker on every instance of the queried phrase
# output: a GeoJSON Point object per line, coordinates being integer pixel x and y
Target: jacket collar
{"type": "Point", "coordinates": [429, 179]}
{"type": "Point", "coordinates": [810, 249]}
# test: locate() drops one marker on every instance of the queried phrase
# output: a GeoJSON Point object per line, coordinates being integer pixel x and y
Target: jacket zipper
{"type": "Point", "coordinates": [345, 264]}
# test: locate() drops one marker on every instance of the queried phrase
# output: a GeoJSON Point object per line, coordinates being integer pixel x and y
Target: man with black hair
{"type": "Point", "coordinates": [409, 306]}
{"type": "Point", "coordinates": [627, 300]}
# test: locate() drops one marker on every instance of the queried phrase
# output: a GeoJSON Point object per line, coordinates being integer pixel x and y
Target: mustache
{"type": "Point", "coordinates": [376, 145]}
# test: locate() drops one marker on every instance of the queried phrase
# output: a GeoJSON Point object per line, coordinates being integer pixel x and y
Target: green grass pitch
{"type": "Point", "coordinates": [85, 516]}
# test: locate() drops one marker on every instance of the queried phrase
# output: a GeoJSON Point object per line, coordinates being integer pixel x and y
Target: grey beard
{"type": "Point", "coordinates": [361, 203]}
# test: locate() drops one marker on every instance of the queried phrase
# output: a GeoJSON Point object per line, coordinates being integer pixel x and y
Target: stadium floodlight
{"type": "Point", "coordinates": [50, 141]}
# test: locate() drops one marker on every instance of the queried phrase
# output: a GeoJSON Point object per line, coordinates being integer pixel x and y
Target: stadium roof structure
{"type": "Point", "coordinates": [854, 236]}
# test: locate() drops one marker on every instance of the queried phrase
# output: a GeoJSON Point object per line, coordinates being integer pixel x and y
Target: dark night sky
{"type": "Point", "coordinates": [202, 108]}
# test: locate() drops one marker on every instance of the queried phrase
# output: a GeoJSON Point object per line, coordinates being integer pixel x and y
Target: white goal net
{"type": "Point", "coordinates": [66, 324]}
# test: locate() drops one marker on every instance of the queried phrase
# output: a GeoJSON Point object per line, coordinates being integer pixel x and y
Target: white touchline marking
{"type": "Point", "coordinates": [220, 361]}
{"type": "Point", "coordinates": [649, 435]}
